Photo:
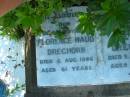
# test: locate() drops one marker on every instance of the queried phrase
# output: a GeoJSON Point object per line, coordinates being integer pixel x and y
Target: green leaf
{"type": "Point", "coordinates": [86, 24]}
{"type": "Point", "coordinates": [117, 39]}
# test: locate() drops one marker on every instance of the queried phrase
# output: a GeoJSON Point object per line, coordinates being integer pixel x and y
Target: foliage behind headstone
{"type": "Point", "coordinates": [109, 17]}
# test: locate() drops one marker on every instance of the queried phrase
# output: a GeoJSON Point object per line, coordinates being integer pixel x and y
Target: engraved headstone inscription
{"type": "Point", "coordinates": [78, 59]}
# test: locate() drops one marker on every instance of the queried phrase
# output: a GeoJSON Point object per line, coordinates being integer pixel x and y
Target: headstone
{"type": "Point", "coordinates": [47, 78]}
{"type": "Point", "coordinates": [78, 60]}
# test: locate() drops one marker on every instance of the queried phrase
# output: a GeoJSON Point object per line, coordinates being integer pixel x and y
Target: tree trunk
{"type": "Point", "coordinates": [30, 63]}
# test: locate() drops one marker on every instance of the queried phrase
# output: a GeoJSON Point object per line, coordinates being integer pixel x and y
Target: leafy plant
{"type": "Point", "coordinates": [86, 24]}
{"type": "Point", "coordinates": [109, 17]}
{"type": "Point", "coordinates": [29, 15]}
{"type": "Point", "coordinates": [17, 88]}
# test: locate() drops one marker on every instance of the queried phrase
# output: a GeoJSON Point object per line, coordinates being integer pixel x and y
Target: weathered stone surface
{"type": "Point", "coordinates": [82, 91]}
